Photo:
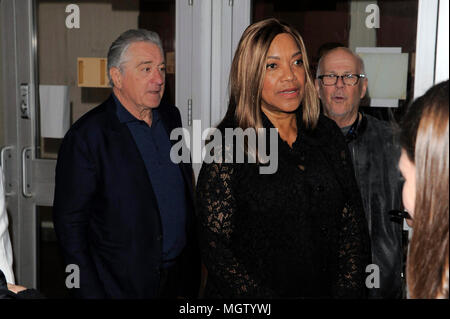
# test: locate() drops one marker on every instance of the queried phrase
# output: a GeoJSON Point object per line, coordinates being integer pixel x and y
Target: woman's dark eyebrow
{"type": "Point", "coordinates": [277, 58]}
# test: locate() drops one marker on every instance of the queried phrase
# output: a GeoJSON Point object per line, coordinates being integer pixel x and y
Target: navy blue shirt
{"type": "Point", "coordinates": [165, 176]}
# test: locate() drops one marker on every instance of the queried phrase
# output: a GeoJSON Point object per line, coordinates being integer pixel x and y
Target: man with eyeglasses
{"type": "Point", "coordinates": [341, 84]}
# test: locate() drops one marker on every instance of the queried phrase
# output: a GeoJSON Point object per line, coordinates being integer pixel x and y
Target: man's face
{"type": "Point", "coordinates": [341, 101]}
{"type": "Point", "coordinates": [141, 82]}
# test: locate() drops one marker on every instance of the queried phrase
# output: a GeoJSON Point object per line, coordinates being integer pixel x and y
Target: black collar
{"type": "Point", "coordinates": [357, 128]}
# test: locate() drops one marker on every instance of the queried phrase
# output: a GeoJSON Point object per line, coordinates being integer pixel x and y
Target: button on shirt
{"type": "Point", "coordinates": [165, 176]}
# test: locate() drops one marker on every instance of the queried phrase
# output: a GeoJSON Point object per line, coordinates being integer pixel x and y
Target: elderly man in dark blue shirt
{"type": "Point", "coordinates": [123, 211]}
{"type": "Point", "coordinates": [165, 176]}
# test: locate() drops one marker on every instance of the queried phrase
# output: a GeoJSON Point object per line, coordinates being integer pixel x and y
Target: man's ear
{"type": "Point", "coordinates": [364, 87]}
{"type": "Point", "coordinates": [116, 77]}
{"type": "Point", "coordinates": [317, 86]}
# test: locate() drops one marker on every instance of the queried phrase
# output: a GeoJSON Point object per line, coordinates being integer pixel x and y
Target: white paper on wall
{"type": "Point", "coordinates": [387, 74]}
{"type": "Point", "coordinates": [54, 110]}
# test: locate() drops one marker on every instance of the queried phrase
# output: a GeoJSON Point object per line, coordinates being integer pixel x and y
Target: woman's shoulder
{"type": "Point", "coordinates": [327, 126]}
{"type": "Point", "coordinates": [326, 132]}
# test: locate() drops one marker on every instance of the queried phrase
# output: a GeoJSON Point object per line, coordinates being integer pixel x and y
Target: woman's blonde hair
{"type": "Point", "coordinates": [248, 70]}
{"type": "Point", "coordinates": [425, 137]}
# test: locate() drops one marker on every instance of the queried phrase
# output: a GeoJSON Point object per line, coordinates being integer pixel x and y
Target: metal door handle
{"type": "Point", "coordinates": [24, 171]}
{"type": "Point", "coordinates": [2, 163]}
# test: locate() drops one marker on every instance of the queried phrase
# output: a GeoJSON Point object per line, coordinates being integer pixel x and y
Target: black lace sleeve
{"type": "Point", "coordinates": [216, 209]}
{"type": "Point", "coordinates": [353, 256]}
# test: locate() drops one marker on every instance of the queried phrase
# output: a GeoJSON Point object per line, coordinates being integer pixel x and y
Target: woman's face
{"type": "Point", "coordinates": [408, 170]}
{"type": "Point", "coordinates": [284, 80]}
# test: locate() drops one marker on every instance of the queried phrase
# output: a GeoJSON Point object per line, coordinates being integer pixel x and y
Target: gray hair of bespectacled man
{"type": "Point", "coordinates": [118, 49]}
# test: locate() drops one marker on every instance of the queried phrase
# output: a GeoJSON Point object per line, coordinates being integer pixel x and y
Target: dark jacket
{"type": "Point", "coordinates": [105, 211]}
{"type": "Point", "coordinates": [375, 158]}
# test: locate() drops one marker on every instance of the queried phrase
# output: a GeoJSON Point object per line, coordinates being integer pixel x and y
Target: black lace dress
{"type": "Point", "coordinates": [297, 233]}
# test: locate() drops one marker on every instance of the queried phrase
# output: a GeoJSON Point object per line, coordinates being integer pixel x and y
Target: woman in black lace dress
{"type": "Point", "coordinates": [299, 232]}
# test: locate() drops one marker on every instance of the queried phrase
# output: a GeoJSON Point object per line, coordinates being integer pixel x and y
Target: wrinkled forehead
{"type": "Point", "coordinates": [145, 51]}
{"type": "Point", "coordinates": [341, 60]}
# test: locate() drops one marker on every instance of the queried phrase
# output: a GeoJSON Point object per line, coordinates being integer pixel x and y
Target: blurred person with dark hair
{"type": "Point", "coordinates": [424, 164]}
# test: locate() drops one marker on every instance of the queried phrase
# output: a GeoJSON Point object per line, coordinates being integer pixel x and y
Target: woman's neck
{"type": "Point", "coordinates": [286, 123]}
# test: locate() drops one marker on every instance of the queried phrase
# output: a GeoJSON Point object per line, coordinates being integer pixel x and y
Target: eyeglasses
{"type": "Point", "coordinates": [348, 79]}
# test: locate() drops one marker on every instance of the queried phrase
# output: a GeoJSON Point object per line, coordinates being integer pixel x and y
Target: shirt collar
{"type": "Point", "coordinates": [126, 117]}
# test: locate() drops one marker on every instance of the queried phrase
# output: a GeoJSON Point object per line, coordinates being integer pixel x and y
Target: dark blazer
{"type": "Point", "coordinates": [105, 212]}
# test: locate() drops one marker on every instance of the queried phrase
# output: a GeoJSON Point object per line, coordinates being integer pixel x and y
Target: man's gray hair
{"type": "Point", "coordinates": [118, 49]}
{"type": "Point", "coordinates": [356, 56]}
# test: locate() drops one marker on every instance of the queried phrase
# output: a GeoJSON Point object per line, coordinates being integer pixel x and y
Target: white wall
{"type": "Point", "coordinates": [1, 95]}
{"type": "Point", "coordinates": [426, 46]}
{"type": "Point", "coordinates": [442, 51]}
